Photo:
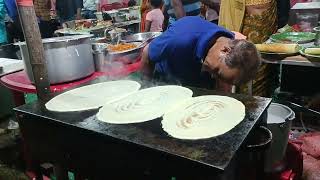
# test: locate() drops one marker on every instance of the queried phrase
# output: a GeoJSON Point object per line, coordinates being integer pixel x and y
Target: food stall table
{"type": "Point", "coordinates": [19, 83]}
{"type": "Point", "coordinates": [291, 60]}
{"type": "Point", "coordinates": [297, 74]}
{"type": "Point", "coordinates": [82, 144]}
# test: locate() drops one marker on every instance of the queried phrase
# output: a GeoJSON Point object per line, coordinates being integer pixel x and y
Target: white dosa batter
{"type": "Point", "coordinates": [203, 117]}
{"type": "Point", "coordinates": [92, 96]}
{"type": "Point", "coordinates": [144, 105]}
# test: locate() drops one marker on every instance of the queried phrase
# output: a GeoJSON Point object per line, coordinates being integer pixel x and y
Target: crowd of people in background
{"type": "Point", "coordinates": [156, 15]}
{"type": "Point", "coordinates": [50, 14]}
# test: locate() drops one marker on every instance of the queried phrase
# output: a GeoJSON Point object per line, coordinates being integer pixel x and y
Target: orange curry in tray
{"type": "Point", "coordinates": [121, 47]}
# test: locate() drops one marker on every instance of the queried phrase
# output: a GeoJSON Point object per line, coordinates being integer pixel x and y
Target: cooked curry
{"type": "Point", "coordinates": [121, 47]}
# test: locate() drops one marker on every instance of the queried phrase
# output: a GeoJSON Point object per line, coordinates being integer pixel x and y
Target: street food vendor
{"type": "Point", "coordinates": [195, 52]}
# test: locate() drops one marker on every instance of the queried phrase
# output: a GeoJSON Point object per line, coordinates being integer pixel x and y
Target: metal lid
{"type": "Point", "coordinates": [60, 39]}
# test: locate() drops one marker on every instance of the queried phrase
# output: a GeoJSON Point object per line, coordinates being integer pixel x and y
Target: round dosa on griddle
{"type": "Point", "coordinates": [203, 117]}
{"type": "Point", "coordinates": [144, 105]}
{"type": "Point", "coordinates": [92, 96]}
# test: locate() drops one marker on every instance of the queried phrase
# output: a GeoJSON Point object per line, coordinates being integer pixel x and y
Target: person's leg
{"type": "Point", "coordinates": [10, 32]}
{"type": "Point", "coordinates": [45, 29]}
{"type": "Point", "coordinates": [91, 15]}
{"type": "Point", "coordinates": [85, 14]}
{"type": "Point", "coordinates": [88, 14]}
{"type": "Point", "coordinates": [66, 19]}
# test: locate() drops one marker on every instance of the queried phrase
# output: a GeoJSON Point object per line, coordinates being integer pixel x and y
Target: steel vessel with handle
{"type": "Point", "coordinates": [68, 58]}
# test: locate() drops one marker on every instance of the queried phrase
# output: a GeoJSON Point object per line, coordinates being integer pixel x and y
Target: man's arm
{"type": "Point", "coordinates": [147, 26]}
{"type": "Point", "coordinates": [79, 5]}
{"type": "Point", "coordinates": [211, 4]}
{"type": "Point", "coordinates": [166, 17]}
{"type": "Point", "coordinates": [78, 16]}
{"type": "Point", "coordinates": [98, 5]}
{"type": "Point", "coordinates": [147, 67]}
{"type": "Point", "coordinates": [178, 8]}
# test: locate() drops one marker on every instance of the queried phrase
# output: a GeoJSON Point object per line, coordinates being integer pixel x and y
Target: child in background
{"type": "Point", "coordinates": [154, 18]}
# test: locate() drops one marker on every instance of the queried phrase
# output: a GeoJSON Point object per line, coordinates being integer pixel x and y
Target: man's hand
{"type": "Point", "coordinates": [238, 35]}
{"type": "Point", "coordinates": [178, 8]}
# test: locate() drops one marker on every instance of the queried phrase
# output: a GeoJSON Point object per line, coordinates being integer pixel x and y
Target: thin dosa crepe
{"type": "Point", "coordinates": [92, 96]}
{"type": "Point", "coordinates": [203, 117]}
{"type": "Point", "coordinates": [278, 48]}
{"type": "Point", "coordinates": [144, 105]}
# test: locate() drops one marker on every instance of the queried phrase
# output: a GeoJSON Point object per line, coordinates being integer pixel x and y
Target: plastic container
{"type": "Point", "coordinates": [307, 21]}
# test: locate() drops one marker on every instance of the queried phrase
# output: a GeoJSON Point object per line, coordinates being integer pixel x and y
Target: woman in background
{"type": "Point", "coordinates": [256, 19]}
{"type": "Point", "coordinates": [145, 8]}
{"type": "Point", "coordinates": [154, 18]}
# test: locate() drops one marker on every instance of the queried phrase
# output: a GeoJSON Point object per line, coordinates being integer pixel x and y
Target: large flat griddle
{"type": "Point", "coordinates": [214, 153]}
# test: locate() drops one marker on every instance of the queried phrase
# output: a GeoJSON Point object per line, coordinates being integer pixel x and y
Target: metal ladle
{"type": "Point", "coordinates": [146, 41]}
{"type": "Point", "coordinates": [114, 35]}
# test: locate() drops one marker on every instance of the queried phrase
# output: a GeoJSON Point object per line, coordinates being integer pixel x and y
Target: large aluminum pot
{"type": "Point", "coordinates": [68, 58]}
{"type": "Point", "coordinates": [279, 122]}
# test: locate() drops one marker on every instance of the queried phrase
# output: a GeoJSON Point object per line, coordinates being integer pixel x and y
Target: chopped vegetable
{"type": "Point", "coordinates": [314, 51]}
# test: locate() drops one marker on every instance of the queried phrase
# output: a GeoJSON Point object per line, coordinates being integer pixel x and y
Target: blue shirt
{"type": "Point", "coordinates": [179, 50]}
{"type": "Point", "coordinates": [11, 9]}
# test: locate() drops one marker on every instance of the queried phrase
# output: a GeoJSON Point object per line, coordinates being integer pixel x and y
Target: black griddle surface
{"type": "Point", "coordinates": [215, 152]}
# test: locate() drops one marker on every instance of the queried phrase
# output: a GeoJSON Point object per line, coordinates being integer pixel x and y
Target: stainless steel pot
{"type": "Point", "coordinates": [105, 59]}
{"type": "Point", "coordinates": [141, 36]}
{"type": "Point", "coordinates": [68, 58]}
{"type": "Point", "coordinates": [279, 122]}
{"type": "Point", "coordinates": [129, 56]}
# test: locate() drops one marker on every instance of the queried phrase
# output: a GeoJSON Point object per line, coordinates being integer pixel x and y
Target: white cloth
{"type": "Point", "coordinates": [90, 4]}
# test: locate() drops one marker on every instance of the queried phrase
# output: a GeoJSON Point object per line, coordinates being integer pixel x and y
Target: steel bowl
{"type": "Point", "coordinates": [68, 58]}
{"type": "Point", "coordinates": [141, 36]}
{"type": "Point", "coordinates": [128, 56]}
{"type": "Point", "coordinates": [105, 60]}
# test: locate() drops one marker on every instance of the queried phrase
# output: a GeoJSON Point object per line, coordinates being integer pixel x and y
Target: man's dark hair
{"type": "Point", "coordinates": [132, 3]}
{"type": "Point", "coordinates": [245, 57]}
{"type": "Point", "coordinates": [156, 3]}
